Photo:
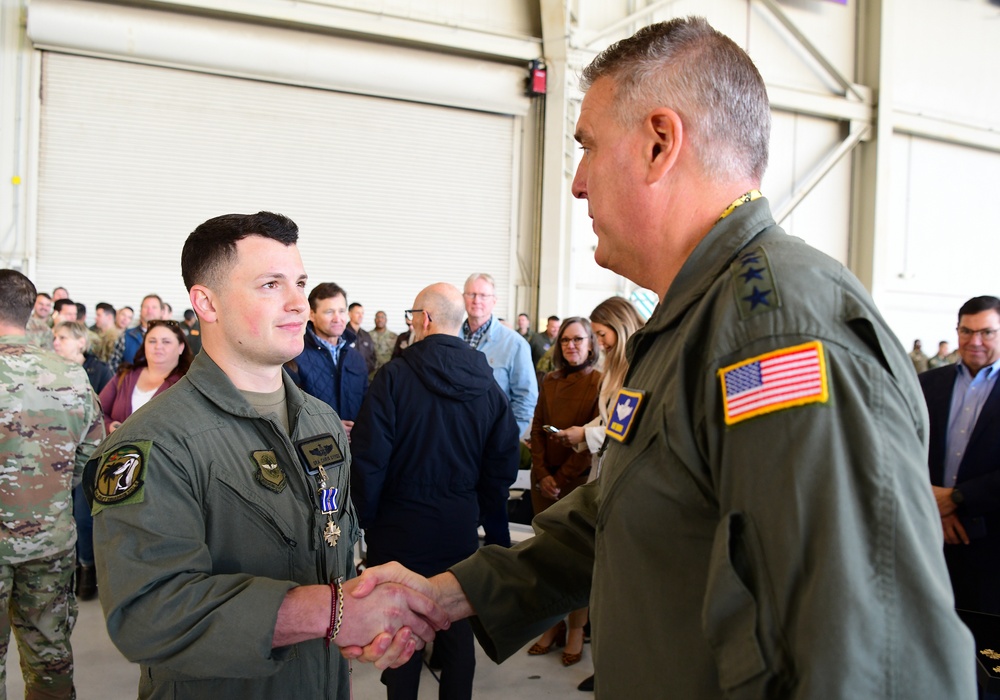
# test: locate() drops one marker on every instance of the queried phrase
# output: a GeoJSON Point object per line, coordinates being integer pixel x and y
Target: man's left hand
{"type": "Point", "coordinates": [945, 505]}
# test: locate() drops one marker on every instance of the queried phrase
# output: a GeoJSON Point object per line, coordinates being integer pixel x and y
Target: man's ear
{"type": "Point", "coordinates": [665, 136]}
{"type": "Point", "coordinates": [203, 303]}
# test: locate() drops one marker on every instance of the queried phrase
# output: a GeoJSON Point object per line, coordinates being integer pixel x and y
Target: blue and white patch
{"type": "Point", "coordinates": [625, 413]}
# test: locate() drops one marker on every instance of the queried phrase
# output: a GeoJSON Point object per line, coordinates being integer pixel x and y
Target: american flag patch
{"type": "Point", "coordinates": [780, 379]}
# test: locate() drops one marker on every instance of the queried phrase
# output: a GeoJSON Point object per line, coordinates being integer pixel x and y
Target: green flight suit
{"type": "Point", "coordinates": [792, 554]}
{"type": "Point", "coordinates": [194, 563]}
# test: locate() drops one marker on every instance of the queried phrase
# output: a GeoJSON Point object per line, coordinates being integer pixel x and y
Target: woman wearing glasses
{"type": "Point", "coordinates": [614, 321]}
{"type": "Point", "coordinates": [163, 359]}
{"type": "Point", "coordinates": [568, 396]}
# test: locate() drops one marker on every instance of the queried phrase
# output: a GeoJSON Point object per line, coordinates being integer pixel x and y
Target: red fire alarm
{"type": "Point", "coordinates": [536, 78]}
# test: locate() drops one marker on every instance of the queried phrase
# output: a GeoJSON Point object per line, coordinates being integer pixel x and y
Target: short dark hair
{"type": "Point", "coordinates": [977, 305]}
{"type": "Point", "coordinates": [106, 308]}
{"type": "Point", "coordinates": [126, 307]}
{"type": "Point", "coordinates": [212, 246]}
{"type": "Point", "coordinates": [189, 314]}
{"type": "Point", "coordinates": [17, 298]}
{"type": "Point", "coordinates": [44, 294]}
{"type": "Point", "coordinates": [354, 305]}
{"type": "Point", "coordinates": [553, 318]}
{"type": "Point", "coordinates": [58, 306]}
{"type": "Point", "coordinates": [81, 309]}
{"type": "Point", "coordinates": [325, 290]}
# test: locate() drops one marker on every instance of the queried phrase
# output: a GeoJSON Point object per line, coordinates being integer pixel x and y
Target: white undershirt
{"type": "Point", "coordinates": [141, 398]}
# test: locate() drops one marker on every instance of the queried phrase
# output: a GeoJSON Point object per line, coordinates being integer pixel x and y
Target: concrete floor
{"type": "Point", "coordinates": [103, 674]}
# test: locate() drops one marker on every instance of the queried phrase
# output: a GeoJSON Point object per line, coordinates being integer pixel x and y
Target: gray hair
{"type": "Point", "coordinates": [481, 276]}
{"type": "Point", "coordinates": [701, 74]}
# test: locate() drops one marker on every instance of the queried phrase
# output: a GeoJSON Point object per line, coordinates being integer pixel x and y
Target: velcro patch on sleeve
{"type": "Point", "coordinates": [121, 476]}
{"type": "Point", "coordinates": [793, 376]}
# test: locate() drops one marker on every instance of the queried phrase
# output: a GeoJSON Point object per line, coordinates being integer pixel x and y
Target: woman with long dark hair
{"type": "Point", "coordinates": [162, 360]}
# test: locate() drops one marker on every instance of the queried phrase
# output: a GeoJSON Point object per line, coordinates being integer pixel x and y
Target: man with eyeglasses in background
{"type": "Point", "coordinates": [963, 401]}
{"type": "Point", "coordinates": [510, 357]}
{"type": "Point", "coordinates": [435, 446]}
{"type": "Point", "coordinates": [508, 353]}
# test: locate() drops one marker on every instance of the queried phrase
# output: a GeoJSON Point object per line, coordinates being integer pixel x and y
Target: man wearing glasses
{"type": "Point", "coordinates": [508, 353]}
{"type": "Point", "coordinates": [435, 446]}
{"type": "Point", "coordinates": [963, 401]}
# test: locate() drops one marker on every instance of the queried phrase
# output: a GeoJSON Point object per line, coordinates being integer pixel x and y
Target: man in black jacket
{"type": "Point", "coordinates": [963, 402]}
{"type": "Point", "coordinates": [434, 445]}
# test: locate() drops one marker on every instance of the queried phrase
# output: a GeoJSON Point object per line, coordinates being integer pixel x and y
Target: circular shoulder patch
{"type": "Point", "coordinates": [119, 476]}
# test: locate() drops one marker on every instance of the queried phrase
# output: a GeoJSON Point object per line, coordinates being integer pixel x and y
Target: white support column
{"type": "Point", "coordinates": [554, 278]}
{"type": "Point", "coordinates": [872, 166]}
{"type": "Point", "coordinates": [15, 80]}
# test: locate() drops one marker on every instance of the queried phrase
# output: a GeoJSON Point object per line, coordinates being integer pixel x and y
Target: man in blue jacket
{"type": "Point", "coordinates": [329, 368]}
{"type": "Point", "coordinates": [436, 443]}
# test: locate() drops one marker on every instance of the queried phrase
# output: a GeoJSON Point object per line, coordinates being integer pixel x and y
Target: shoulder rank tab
{"type": "Point", "coordinates": [792, 376]}
{"type": "Point", "coordinates": [120, 476]}
{"type": "Point", "coordinates": [753, 283]}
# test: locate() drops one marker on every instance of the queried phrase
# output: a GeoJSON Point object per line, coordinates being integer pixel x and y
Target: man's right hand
{"type": "Point", "coordinates": [444, 589]}
{"type": "Point", "coordinates": [391, 619]}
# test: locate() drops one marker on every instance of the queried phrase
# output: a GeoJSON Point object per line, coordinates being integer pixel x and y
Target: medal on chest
{"type": "Point", "coordinates": [328, 501]}
{"type": "Point", "coordinates": [318, 454]}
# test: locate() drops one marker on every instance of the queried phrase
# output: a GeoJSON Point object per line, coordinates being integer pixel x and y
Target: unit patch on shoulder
{"type": "Point", "coordinates": [792, 376]}
{"type": "Point", "coordinates": [268, 474]}
{"type": "Point", "coordinates": [753, 284]}
{"type": "Point", "coordinates": [625, 413]}
{"type": "Point", "coordinates": [120, 476]}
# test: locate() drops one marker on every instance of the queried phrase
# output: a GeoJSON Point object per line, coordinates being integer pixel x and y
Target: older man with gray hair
{"type": "Point", "coordinates": [507, 352]}
{"type": "Point", "coordinates": [762, 526]}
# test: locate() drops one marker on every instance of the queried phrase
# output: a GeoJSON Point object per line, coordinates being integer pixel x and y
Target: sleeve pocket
{"type": "Point", "coordinates": [730, 611]}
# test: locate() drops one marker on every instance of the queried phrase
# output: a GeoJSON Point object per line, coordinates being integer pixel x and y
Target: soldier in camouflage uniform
{"type": "Point", "coordinates": [39, 328]}
{"type": "Point", "coordinates": [50, 423]}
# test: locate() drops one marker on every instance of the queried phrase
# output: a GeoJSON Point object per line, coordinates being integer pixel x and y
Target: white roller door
{"type": "Point", "coordinates": [389, 195]}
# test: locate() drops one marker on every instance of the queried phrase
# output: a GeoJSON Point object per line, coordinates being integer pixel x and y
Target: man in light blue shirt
{"type": "Point", "coordinates": [508, 353]}
{"type": "Point", "coordinates": [963, 401]}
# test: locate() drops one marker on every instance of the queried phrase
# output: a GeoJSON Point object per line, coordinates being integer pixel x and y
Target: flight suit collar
{"type": "Point", "coordinates": [707, 261]}
{"type": "Point", "coordinates": [209, 379]}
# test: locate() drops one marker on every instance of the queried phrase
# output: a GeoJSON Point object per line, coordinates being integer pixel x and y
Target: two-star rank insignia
{"type": "Point", "coordinates": [753, 283]}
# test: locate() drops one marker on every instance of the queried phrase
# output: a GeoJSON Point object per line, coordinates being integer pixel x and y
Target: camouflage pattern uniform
{"type": "Point", "coordinates": [50, 423]}
{"type": "Point", "coordinates": [385, 343]}
{"type": "Point", "coordinates": [39, 332]}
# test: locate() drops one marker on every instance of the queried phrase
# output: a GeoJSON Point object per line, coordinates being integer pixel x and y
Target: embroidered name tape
{"type": "Point", "coordinates": [624, 414]}
{"type": "Point", "coordinates": [319, 451]}
{"type": "Point", "coordinates": [792, 376]}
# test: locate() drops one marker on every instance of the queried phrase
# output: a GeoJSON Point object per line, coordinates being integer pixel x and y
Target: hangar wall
{"type": "Point", "coordinates": [884, 142]}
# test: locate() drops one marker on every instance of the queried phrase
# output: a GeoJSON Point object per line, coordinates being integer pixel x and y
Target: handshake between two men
{"type": "Point", "coordinates": [382, 616]}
